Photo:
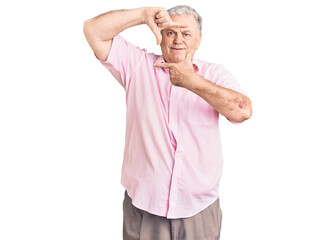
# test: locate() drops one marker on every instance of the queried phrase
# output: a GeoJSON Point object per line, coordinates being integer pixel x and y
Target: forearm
{"type": "Point", "coordinates": [231, 104]}
{"type": "Point", "coordinates": [107, 25]}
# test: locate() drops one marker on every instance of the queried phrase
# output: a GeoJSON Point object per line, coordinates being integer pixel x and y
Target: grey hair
{"type": "Point", "coordinates": [186, 10]}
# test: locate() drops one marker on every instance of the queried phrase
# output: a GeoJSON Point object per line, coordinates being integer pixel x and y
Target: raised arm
{"type": "Point", "coordinates": [100, 30]}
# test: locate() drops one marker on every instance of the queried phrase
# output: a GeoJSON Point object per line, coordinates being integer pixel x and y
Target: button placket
{"type": "Point", "coordinates": [175, 171]}
{"type": "Point", "coordinates": [175, 180]}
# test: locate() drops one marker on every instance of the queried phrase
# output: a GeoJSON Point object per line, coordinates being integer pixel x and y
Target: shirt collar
{"type": "Point", "coordinates": [196, 63]}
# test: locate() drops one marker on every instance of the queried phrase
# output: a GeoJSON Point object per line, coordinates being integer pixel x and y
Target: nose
{"type": "Point", "coordinates": [178, 38]}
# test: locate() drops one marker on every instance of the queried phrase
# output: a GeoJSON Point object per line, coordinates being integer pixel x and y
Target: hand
{"type": "Point", "coordinates": [158, 19]}
{"type": "Point", "coordinates": [182, 74]}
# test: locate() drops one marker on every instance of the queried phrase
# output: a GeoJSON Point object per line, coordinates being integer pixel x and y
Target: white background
{"type": "Point", "coordinates": [62, 119]}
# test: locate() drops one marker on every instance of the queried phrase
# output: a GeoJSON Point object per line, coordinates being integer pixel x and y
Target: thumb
{"type": "Point", "coordinates": [157, 32]}
{"type": "Point", "coordinates": [189, 55]}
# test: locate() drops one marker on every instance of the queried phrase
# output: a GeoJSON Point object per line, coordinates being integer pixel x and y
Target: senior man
{"type": "Point", "coordinates": [172, 158]}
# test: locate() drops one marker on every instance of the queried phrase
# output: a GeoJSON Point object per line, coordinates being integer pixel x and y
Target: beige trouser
{"type": "Point", "coordinates": [142, 225]}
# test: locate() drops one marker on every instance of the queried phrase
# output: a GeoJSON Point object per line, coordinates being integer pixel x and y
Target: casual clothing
{"type": "Point", "coordinates": [173, 157]}
{"type": "Point", "coordinates": [141, 225]}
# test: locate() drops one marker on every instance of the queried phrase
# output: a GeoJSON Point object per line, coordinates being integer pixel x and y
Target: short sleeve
{"type": "Point", "coordinates": [122, 60]}
{"type": "Point", "coordinates": [225, 79]}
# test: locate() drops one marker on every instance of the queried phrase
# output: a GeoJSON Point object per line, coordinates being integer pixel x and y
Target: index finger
{"type": "Point", "coordinates": [165, 25]}
{"type": "Point", "coordinates": [162, 65]}
{"type": "Point", "coordinates": [178, 25]}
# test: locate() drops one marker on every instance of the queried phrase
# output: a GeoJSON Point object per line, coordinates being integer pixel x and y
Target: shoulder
{"type": "Point", "coordinates": [121, 43]}
{"type": "Point", "coordinates": [127, 51]}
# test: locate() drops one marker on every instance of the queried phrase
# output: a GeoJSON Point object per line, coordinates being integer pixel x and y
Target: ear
{"type": "Point", "coordinates": [199, 41]}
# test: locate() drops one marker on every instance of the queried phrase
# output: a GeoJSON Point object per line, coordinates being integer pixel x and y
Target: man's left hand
{"type": "Point", "coordinates": [182, 73]}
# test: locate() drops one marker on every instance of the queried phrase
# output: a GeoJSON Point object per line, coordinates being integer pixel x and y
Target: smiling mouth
{"type": "Point", "coordinates": [178, 49]}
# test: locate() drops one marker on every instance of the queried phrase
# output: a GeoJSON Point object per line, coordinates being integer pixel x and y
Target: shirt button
{"type": "Point", "coordinates": [173, 114]}
{"type": "Point", "coordinates": [175, 179]}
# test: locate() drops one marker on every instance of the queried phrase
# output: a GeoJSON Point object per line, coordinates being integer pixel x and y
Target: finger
{"type": "Point", "coordinates": [177, 25]}
{"type": "Point", "coordinates": [161, 20]}
{"type": "Point", "coordinates": [161, 14]}
{"type": "Point", "coordinates": [164, 25]}
{"type": "Point", "coordinates": [171, 25]}
{"type": "Point", "coordinates": [156, 31]}
{"type": "Point", "coordinates": [189, 55]}
{"type": "Point", "coordinates": [163, 65]}
{"type": "Point", "coordinates": [158, 37]}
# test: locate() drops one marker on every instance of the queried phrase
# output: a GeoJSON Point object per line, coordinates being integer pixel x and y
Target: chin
{"type": "Point", "coordinates": [177, 59]}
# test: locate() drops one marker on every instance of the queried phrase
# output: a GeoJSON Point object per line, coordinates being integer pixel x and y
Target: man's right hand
{"type": "Point", "coordinates": [100, 30]}
{"type": "Point", "coordinates": [157, 19]}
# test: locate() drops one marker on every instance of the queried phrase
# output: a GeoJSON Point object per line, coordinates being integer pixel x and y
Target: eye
{"type": "Point", "coordinates": [170, 33]}
{"type": "Point", "coordinates": [186, 34]}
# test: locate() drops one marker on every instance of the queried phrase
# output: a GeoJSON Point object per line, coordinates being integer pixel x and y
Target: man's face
{"type": "Point", "coordinates": [176, 42]}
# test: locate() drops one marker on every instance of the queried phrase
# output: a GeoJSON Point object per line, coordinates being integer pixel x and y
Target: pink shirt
{"type": "Point", "coordinates": [173, 157]}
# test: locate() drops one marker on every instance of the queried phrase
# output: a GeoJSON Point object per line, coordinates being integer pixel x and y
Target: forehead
{"type": "Point", "coordinates": [187, 20]}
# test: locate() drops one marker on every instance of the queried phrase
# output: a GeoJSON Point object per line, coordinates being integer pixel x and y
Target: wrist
{"type": "Point", "coordinates": [143, 14]}
{"type": "Point", "coordinates": [193, 81]}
